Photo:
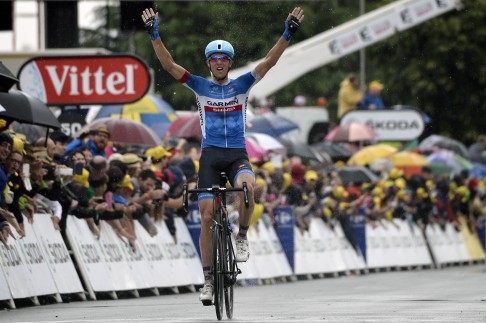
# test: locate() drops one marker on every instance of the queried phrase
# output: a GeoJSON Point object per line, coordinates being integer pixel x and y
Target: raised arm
{"type": "Point", "coordinates": [292, 23]}
{"type": "Point", "coordinates": [151, 21]}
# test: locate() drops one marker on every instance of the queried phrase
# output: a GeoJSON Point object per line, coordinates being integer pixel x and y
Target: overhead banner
{"type": "Point", "coordinates": [399, 125]}
{"type": "Point", "coordinates": [89, 79]}
{"type": "Point", "coordinates": [421, 11]}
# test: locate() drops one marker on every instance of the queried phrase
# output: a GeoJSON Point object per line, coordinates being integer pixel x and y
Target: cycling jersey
{"type": "Point", "coordinates": [222, 108]}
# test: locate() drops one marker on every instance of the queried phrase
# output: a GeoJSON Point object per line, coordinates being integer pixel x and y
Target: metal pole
{"type": "Point", "coordinates": [362, 52]}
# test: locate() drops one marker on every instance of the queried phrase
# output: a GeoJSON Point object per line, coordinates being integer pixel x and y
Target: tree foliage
{"type": "Point", "coordinates": [437, 66]}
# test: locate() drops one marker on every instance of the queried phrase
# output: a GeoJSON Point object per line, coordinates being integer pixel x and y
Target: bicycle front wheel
{"type": "Point", "coordinates": [218, 272]}
{"type": "Point", "coordinates": [230, 276]}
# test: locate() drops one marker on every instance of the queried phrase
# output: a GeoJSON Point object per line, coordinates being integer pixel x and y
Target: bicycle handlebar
{"type": "Point", "coordinates": [214, 189]}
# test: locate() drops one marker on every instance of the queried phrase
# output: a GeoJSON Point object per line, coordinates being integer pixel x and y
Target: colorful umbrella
{"type": "Point", "coordinates": [254, 150]}
{"type": "Point", "coordinates": [272, 124]}
{"type": "Point", "coordinates": [371, 153]}
{"type": "Point", "coordinates": [268, 142]}
{"type": "Point", "coordinates": [186, 126]}
{"type": "Point", "coordinates": [408, 158]}
{"type": "Point", "coordinates": [126, 131]}
{"type": "Point", "coordinates": [351, 132]}
{"type": "Point", "coordinates": [450, 159]}
{"type": "Point", "coordinates": [434, 142]}
{"type": "Point", "coordinates": [150, 110]}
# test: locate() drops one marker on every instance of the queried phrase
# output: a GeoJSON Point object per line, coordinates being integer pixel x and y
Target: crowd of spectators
{"type": "Point", "coordinates": [419, 199]}
{"type": "Point", "coordinates": [87, 178]}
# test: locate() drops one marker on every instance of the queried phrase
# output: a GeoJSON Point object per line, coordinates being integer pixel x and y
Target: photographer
{"type": "Point", "coordinates": [95, 140]}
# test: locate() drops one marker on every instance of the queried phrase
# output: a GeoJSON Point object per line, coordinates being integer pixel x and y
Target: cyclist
{"type": "Point", "coordinates": [222, 111]}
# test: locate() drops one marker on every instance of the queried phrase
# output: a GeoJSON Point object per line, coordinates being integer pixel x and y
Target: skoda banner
{"type": "Point", "coordinates": [284, 217]}
{"type": "Point", "coordinates": [400, 125]}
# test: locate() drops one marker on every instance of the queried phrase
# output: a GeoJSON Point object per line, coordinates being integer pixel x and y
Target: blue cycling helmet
{"type": "Point", "coordinates": [219, 46]}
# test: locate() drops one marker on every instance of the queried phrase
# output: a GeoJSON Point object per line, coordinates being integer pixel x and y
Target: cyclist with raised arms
{"type": "Point", "coordinates": [222, 104]}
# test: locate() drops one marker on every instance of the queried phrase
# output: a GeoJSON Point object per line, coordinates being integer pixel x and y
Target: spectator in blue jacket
{"type": "Point", "coordinates": [372, 99]}
{"type": "Point", "coordinates": [97, 142]}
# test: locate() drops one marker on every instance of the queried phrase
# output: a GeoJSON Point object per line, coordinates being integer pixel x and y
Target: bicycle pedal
{"type": "Point", "coordinates": [207, 303]}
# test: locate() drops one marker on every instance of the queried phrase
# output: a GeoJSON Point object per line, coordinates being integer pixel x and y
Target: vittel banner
{"type": "Point", "coordinates": [91, 79]}
{"type": "Point", "coordinates": [401, 125]}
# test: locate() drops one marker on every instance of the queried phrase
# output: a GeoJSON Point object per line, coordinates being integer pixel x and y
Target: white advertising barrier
{"type": "Point", "coordinates": [16, 271]}
{"type": "Point", "coordinates": [116, 259]}
{"type": "Point", "coordinates": [420, 248]}
{"type": "Point", "coordinates": [319, 255]}
{"type": "Point", "coordinates": [189, 252]}
{"type": "Point", "coordinates": [445, 247]}
{"type": "Point", "coordinates": [262, 251]}
{"type": "Point", "coordinates": [414, 250]}
{"type": "Point", "coordinates": [89, 257]}
{"type": "Point", "coordinates": [137, 261]}
{"type": "Point", "coordinates": [179, 271]}
{"type": "Point", "coordinates": [303, 253]}
{"type": "Point", "coordinates": [284, 269]}
{"type": "Point", "coordinates": [375, 252]}
{"type": "Point", "coordinates": [35, 262]}
{"type": "Point", "coordinates": [458, 243]}
{"type": "Point", "coordinates": [325, 238]}
{"type": "Point", "coordinates": [55, 251]}
{"type": "Point", "coordinates": [352, 259]}
{"type": "Point", "coordinates": [391, 245]}
{"type": "Point", "coordinates": [157, 261]}
{"type": "Point", "coordinates": [281, 266]}
{"type": "Point", "coordinates": [395, 244]}
{"type": "Point", "coordinates": [268, 263]}
{"type": "Point", "coordinates": [4, 290]}
{"type": "Point", "coordinates": [404, 242]}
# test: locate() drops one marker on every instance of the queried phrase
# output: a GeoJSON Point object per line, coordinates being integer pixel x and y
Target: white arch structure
{"type": "Point", "coordinates": [349, 37]}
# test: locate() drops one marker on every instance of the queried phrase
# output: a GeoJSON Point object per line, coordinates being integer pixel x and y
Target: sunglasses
{"type": "Point", "coordinates": [219, 58]}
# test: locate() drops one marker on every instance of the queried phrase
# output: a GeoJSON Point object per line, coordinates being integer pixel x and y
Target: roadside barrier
{"type": "Point", "coordinates": [41, 265]}
{"type": "Point", "coordinates": [37, 265]}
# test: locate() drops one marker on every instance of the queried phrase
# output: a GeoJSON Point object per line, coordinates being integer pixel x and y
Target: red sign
{"type": "Point", "coordinates": [92, 79]}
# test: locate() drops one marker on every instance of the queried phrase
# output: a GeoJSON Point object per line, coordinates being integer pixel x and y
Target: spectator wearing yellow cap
{"type": "Point", "coordinates": [160, 158]}
{"type": "Point", "coordinates": [372, 99]}
{"type": "Point", "coordinates": [423, 204]}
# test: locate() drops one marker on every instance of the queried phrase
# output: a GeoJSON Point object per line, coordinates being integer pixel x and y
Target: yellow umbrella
{"type": "Point", "coordinates": [371, 153]}
{"type": "Point", "coordinates": [408, 158]}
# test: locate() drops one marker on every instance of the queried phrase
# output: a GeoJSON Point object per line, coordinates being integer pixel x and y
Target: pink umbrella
{"type": "Point", "coordinates": [126, 131]}
{"type": "Point", "coordinates": [253, 149]}
{"type": "Point", "coordinates": [351, 132]}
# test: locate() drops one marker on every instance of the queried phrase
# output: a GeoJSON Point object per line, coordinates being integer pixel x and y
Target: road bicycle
{"type": "Point", "coordinates": [224, 266]}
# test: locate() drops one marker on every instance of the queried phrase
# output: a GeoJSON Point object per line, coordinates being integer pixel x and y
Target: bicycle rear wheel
{"type": "Point", "coordinates": [218, 271]}
{"type": "Point", "coordinates": [229, 277]}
